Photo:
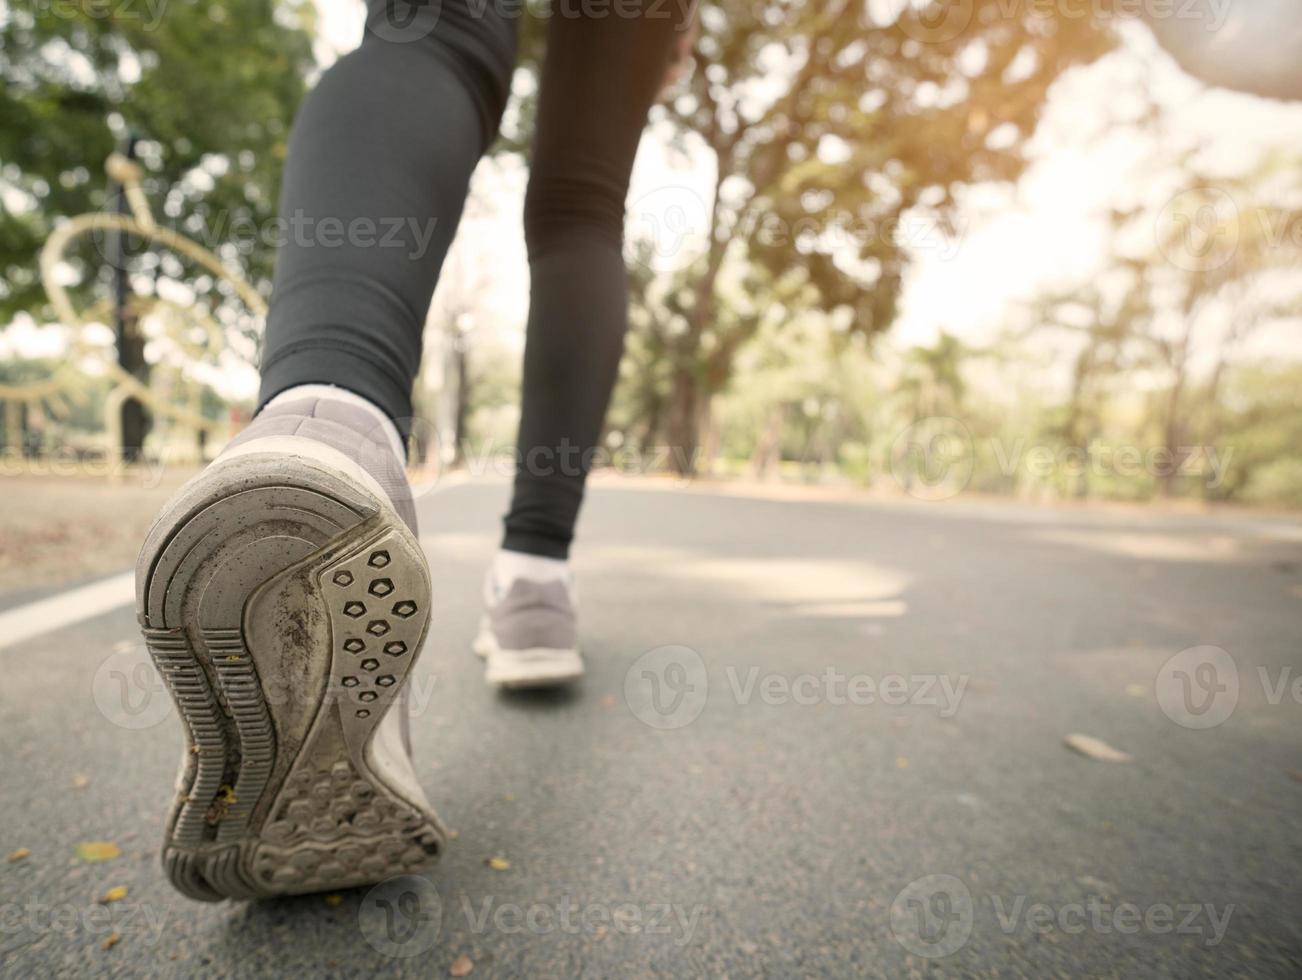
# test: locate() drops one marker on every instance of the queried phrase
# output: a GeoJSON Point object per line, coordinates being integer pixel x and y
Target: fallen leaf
{"type": "Point", "coordinates": [462, 966]}
{"type": "Point", "coordinates": [608, 701]}
{"type": "Point", "coordinates": [80, 781]}
{"type": "Point", "coordinates": [1293, 774]}
{"type": "Point", "coordinates": [1094, 748]}
{"type": "Point", "coordinates": [97, 850]}
{"type": "Point", "coordinates": [498, 863]}
{"type": "Point", "coordinates": [111, 940]}
{"type": "Point", "coordinates": [115, 894]}
{"type": "Point", "coordinates": [334, 901]}
{"type": "Point", "coordinates": [1136, 690]}
{"type": "Point", "coordinates": [18, 855]}
{"type": "Point", "coordinates": [901, 762]}
{"type": "Point", "coordinates": [453, 834]}
{"type": "Point", "coordinates": [1096, 886]}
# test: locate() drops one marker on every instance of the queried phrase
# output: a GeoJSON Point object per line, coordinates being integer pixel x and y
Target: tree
{"type": "Point", "coordinates": [829, 124]}
{"type": "Point", "coordinates": [211, 89]}
{"type": "Point", "coordinates": [1181, 281]}
{"type": "Point", "coordinates": [205, 90]}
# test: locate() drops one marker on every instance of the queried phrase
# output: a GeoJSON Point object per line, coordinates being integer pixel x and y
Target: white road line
{"type": "Point", "coordinates": [66, 608]}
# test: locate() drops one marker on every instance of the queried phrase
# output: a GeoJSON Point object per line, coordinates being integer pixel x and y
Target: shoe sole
{"type": "Point", "coordinates": [284, 604]}
{"type": "Point", "coordinates": [518, 670]}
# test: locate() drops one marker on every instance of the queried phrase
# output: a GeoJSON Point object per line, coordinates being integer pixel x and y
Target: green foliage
{"type": "Point", "coordinates": [1260, 422]}
{"type": "Point", "coordinates": [211, 88]}
{"type": "Point", "coordinates": [828, 130]}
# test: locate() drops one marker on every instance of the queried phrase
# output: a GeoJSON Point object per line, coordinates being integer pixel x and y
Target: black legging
{"type": "Point", "coordinates": [377, 172]}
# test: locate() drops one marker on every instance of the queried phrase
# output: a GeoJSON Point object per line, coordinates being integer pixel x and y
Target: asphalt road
{"type": "Point", "coordinates": [815, 739]}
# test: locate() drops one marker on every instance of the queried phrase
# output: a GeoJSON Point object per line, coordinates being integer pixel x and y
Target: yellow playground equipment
{"type": "Point", "coordinates": [193, 335]}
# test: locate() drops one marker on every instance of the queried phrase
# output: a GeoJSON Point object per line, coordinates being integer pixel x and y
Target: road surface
{"type": "Point", "coordinates": [815, 739]}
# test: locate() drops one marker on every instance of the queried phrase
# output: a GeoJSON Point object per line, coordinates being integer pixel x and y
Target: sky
{"type": "Point", "coordinates": [1046, 232]}
{"type": "Point", "coordinates": [1013, 242]}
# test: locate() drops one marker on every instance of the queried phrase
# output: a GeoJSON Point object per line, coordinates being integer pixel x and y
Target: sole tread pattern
{"type": "Point", "coordinates": [189, 688]}
{"type": "Point", "coordinates": [253, 725]}
{"type": "Point", "coordinates": [247, 824]}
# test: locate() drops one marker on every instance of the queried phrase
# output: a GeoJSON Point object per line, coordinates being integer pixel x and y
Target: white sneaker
{"type": "Point", "coordinates": [284, 599]}
{"type": "Point", "coordinates": [529, 634]}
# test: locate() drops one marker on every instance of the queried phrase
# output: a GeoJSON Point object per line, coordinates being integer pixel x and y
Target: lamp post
{"type": "Point", "coordinates": [130, 341]}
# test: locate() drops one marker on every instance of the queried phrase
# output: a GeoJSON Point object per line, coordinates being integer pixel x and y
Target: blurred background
{"type": "Point", "coordinates": [1039, 260]}
{"type": "Point", "coordinates": [1049, 251]}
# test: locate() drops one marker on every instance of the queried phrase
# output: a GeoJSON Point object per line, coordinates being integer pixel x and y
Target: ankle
{"type": "Point", "coordinates": [511, 565]}
{"type": "Point", "coordinates": [384, 426]}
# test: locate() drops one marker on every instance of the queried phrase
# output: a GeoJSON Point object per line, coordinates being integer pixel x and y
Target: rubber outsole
{"type": "Point", "coordinates": [284, 606]}
{"type": "Point", "coordinates": [521, 670]}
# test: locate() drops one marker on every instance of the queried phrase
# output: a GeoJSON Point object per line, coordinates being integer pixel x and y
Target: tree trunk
{"type": "Point", "coordinates": [1172, 435]}
{"type": "Point", "coordinates": [651, 425]}
{"type": "Point", "coordinates": [707, 424]}
{"type": "Point", "coordinates": [461, 419]}
{"type": "Point", "coordinates": [767, 458]}
{"type": "Point", "coordinates": [684, 421]}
